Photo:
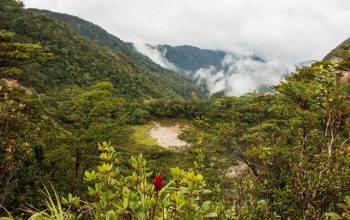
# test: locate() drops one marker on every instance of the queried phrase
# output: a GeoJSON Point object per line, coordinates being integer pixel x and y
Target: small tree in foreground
{"type": "Point", "coordinates": [135, 196]}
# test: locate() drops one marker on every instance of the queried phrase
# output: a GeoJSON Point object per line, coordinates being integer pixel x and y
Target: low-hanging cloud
{"type": "Point", "coordinates": [282, 32]}
{"type": "Point", "coordinates": [154, 54]}
{"type": "Point", "coordinates": [238, 74]}
{"type": "Point", "coordinates": [295, 30]}
{"type": "Point", "coordinates": [241, 75]}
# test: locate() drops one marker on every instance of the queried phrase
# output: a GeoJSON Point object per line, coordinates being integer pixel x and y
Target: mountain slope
{"type": "Point", "coordinates": [340, 52]}
{"type": "Point", "coordinates": [78, 61]}
{"type": "Point", "coordinates": [190, 59]}
{"type": "Point", "coordinates": [179, 83]}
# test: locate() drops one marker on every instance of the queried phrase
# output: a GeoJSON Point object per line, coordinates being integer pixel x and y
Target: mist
{"type": "Point", "coordinates": [289, 30]}
{"type": "Point", "coordinates": [154, 54]}
{"type": "Point", "coordinates": [241, 75]}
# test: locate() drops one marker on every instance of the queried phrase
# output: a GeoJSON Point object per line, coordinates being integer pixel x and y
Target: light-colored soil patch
{"type": "Point", "coordinates": [12, 83]}
{"type": "Point", "coordinates": [346, 76]}
{"type": "Point", "coordinates": [237, 170]}
{"type": "Point", "coordinates": [168, 136]}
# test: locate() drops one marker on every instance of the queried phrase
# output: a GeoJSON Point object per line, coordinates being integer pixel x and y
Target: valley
{"type": "Point", "coordinates": [94, 127]}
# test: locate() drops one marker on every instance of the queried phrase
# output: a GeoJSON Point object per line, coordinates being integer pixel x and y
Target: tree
{"type": "Point", "coordinates": [13, 54]}
{"type": "Point", "coordinates": [20, 125]}
{"type": "Point", "coordinates": [93, 115]}
{"type": "Point", "coordinates": [302, 154]}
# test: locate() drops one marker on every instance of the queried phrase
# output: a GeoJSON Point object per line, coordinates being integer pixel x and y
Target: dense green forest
{"type": "Point", "coordinates": [82, 62]}
{"type": "Point", "coordinates": [177, 82]}
{"type": "Point", "coordinates": [189, 59]}
{"type": "Point", "coordinates": [72, 108]}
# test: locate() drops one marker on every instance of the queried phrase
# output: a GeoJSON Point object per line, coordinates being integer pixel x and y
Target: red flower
{"type": "Point", "coordinates": [340, 113]}
{"type": "Point", "coordinates": [337, 124]}
{"type": "Point", "coordinates": [158, 183]}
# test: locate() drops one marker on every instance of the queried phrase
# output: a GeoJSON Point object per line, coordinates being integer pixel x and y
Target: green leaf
{"type": "Point", "coordinates": [347, 201]}
{"type": "Point", "coordinates": [111, 215]}
{"type": "Point", "coordinates": [207, 191]}
{"type": "Point", "coordinates": [333, 216]}
{"type": "Point", "coordinates": [126, 203]}
{"type": "Point", "coordinates": [91, 190]}
{"type": "Point", "coordinates": [342, 205]}
{"type": "Point", "coordinates": [211, 215]}
{"type": "Point", "coordinates": [261, 203]}
{"type": "Point", "coordinates": [205, 206]}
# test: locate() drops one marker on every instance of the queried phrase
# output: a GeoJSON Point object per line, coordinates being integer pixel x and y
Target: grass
{"type": "Point", "coordinates": [161, 160]}
{"type": "Point", "coordinates": [140, 135]}
{"type": "Point", "coordinates": [140, 132]}
{"type": "Point", "coordinates": [158, 158]}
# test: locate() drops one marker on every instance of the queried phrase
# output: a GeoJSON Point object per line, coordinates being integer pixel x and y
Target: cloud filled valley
{"type": "Point", "coordinates": [241, 75]}
{"type": "Point", "coordinates": [235, 76]}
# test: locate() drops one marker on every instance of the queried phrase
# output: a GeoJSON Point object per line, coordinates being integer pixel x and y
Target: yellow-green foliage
{"type": "Point", "coordinates": [135, 196]}
{"type": "Point", "coordinates": [141, 137]}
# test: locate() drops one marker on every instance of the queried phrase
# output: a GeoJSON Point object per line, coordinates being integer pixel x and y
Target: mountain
{"type": "Point", "coordinates": [340, 52]}
{"type": "Point", "coordinates": [189, 59]}
{"type": "Point", "coordinates": [179, 83]}
{"type": "Point", "coordinates": [167, 61]}
{"type": "Point", "coordinates": [81, 62]}
{"type": "Point", "coordinates": [306, 63]}
{"type": "Point", "coordinates": [221, 72]}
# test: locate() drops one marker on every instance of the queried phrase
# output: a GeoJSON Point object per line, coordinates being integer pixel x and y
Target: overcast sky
{"type": "Point", "coordinates": [291, 30]}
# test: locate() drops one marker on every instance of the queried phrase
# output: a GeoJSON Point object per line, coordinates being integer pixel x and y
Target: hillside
{"type": "Point", "coordinates": [178, 83]}
{"type": "Point", "coordinates": [190, 59]}
{"type": "Point", "coordinates": [341, 51]}
{"type": "Point", "coordinates": [87, 132]}
{"type": "Point", "coordinates": [341, 54]}
{"type": "Point", "coordinates": [79, 61]}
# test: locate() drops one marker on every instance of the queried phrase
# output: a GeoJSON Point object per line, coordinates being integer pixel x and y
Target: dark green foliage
{"type": "Point", "coordinates": [188, 58]}
{"type": "Point", "coordinates": [13, 55]}
{"type": "Point", "coordinates": [341, 54]}
{"type": "Point", "coordinates": [79, 61]}
{"type": "Point", "coordinates": [26, 133]}
{"type": "Point", "coordinates": [294, 144]}
{"type": "Point", "coordinates": [340, 51]}
{"type": "Point", "coordinates": [176, 82]}
{"type": "Point", "coordinates": [102, 38]}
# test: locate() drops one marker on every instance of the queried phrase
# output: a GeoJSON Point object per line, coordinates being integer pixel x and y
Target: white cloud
{"type": "Point", "coordinates": [289, 30]}
{"type": "Point", "coordinates": [240, 75]}
{"type": "Point", "coordinates": [155, 55]}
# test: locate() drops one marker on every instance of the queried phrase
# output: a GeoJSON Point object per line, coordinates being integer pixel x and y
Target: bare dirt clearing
{"type": "Point", "coordinates": [237, 170]}
{"type": "Point", "coordinates": [168, 136]}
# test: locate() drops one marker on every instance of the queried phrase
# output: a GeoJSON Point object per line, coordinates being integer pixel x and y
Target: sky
{"type": "Point", "coordinates": [292, 31]}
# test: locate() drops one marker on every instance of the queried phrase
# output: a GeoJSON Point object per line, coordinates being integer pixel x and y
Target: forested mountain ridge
{"type": "Point", "coordinates": [101, 37]}
{"type": "Point", "coordinates": [341, 54]}
{"type": "Point", "coordinates": [341, 51]}
{"type": "Point", "coordinates": [186, 58]}
{"type": "Point", "coordinates": [79, 61]}
{"type": "Point", "coordinates": [179, 83]}
{"type": "Point", "coordinates": [190, 59]}
{"type": "Point", "coordinates": [86, 149]}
